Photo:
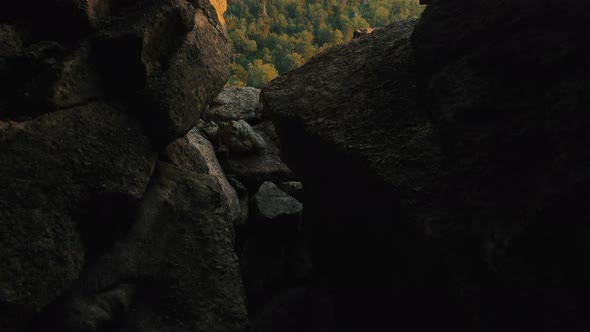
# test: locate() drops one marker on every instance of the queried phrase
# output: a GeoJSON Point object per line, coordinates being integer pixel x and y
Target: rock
{"type": "Point", "coordinates": [266, 165]}
{"type": "Point", "coordinates": [179, 252]}
{"type": "Point", "coordinates": [173, 55]}
{"type": "Point", "coordinates": [100, 310]}
{"type": "Point", "coordinates": [194, 153]}
{"type": "Point", "coordinates": [235, 103]}
{"type": "Point", "coordinates": [87, 13]}
{"type": "Point", "coordinates": [86, 106]}
{"type": "Point", "coordinates": [243, 197]}
{"type": "Point", "coordinates": [514, 132]}
{"type": "Point", "coordinates": [29, 76]}
{"type": "Point", "coordinates": [72, 82]}
{"type": "Point", "coordinates": [292, 188]}
{"type": "Point", "coordinates": [209, 129]}
{"type": "Point", "coordinates": [238, 136]}
{"type": "Point", "coordinates": [274, 205]}
{"type": "Point", "coordinates": [371, 132]}
{"type": "Point", "coordinates": [11, 41]}
{"type": "Point", "coordinates": [462, 150]}
{"type": "Point", "coordinates": [271, 257]}
{"type": "Point", "coordinates": [55, 168]}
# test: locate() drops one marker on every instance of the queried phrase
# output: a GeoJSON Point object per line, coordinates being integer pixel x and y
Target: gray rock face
{"type": "Point", "coordinates": [265, 165]}
{"type": "Point", "coordinates": [370, 132]}
{"type": "Point", "coordinates": [174, 54]}
{"type": "Point", "coordinates": [293, 188]}
{"type": "Point", "coordinates": [463, 148]}
{"type": "Point", "coordinates": [235, 103]}
{"type": "Point", "coordinates": [272, 203]}
{"type": "Point", "coordinates": [195, 153]}
{"type": "Point", "coordinates": [181, 243]}
{"type": "Point", "coordinates": [238, 137]}
{"type": "Point", "coordinates": [86, 107]}
{"type": "Point", "coordinates": [11, 41]}
{"type": "Point", "coordinates": [72, 82]}
{"type": "Point", "coordinates": [52, 167]}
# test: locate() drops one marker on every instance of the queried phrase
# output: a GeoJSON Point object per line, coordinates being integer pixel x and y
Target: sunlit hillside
{"type": "Point", "coordinates": [271, 37]}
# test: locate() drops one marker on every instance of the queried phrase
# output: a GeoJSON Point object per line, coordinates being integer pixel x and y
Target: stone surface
{"type": "Point", "coordinates": [173, 55]}
{"type": "Point", "coordinates": [352, 144]}
{"type": "Point", "coordinates": [179, 254]}
{"type": "Point", "coordinates": [91, 91]}
{"type": "Point", "coordinates": [273, 204]}
{"type": "Point", "coordinates": [292, 188]}
{"type": "Point", "coordinates": [235, 103]}
{"type": "Point", "coordinates": [70, 83]}
{"type": "Point", "coordinates": [53, 168]}
{"type": "Point", "coordinates": [195, 153]}
{"type": "Point", "coordinates": [255, 168]}
{"type": "Point", "coordinates": [462, 151]}
{"type": "Point", "coordinates": [11, 41]}
{"type": "Point", "coordinates": [238, 136]}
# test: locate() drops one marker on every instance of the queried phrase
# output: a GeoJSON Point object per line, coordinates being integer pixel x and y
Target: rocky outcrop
{"type": "Point", "coordinates": [54, 169]}
{"type": "Point", "coordinates": [92, 239]}
{"type": "Point", "coordinates": [276, 208]}
{"type": "Point", "coordinates": [181, 245]}
{"type": "Point", "coordinates": [238, 136]}
{"type": "Point", "coordinates": [195, 153]}
{"type": "Point", "coordinates": [235, 103]}
{"type": "Point", "coordinates": [273, 251]}
{"type": "Point", "coordinates": [245, 140]}
{"type": "Point", "coordinates": [341, 139]}
{"type": "Point", "coordinates": [449, 155]}
{"type": "Point", "coordinates": [173, 56]}
{"type": "Point", "coordinates": [274, 256]}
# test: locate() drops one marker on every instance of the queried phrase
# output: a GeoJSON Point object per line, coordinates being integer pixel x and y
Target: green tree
{"type": "Point", "coordinates": [261, 73]}
{"type": "Point", "coordinates": [275, 36]}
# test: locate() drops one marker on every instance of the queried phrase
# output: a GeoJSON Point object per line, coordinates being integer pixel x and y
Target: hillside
{"type": "Point", "coordinates": [271, 37]}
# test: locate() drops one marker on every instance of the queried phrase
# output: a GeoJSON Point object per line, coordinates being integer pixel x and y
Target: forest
{"type": "Point", "coordinates": [271, 37]}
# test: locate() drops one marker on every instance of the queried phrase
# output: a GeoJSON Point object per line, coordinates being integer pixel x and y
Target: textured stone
{"type": "Point", "coordinates": [173, 55]}
{"type": "Point", "coordinates": [180, 247]}
{"type": "Point", "coordinates": [195, 153]}
{"type": "Point", "coordinates": [53, 167]}
{"type": "Point", "coordinates": [235, 103]}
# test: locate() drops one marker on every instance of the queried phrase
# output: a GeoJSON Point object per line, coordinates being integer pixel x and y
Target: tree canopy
{"type": "Point", "coordinates": [271, 37]}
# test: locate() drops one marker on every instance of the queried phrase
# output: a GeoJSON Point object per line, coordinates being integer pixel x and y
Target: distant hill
{"type": "Point", "coordinates": [271, 37]}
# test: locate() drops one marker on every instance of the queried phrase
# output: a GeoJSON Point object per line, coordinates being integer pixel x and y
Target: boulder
{"type": "Point", "coordinates": [253, 169]}
{"type": "Point", "coordinates": [274, 206]}
{"type": "Point", "coordinates": [463, 149]}
{"type": "Point", "coordinates": [209, 129]}
{"type": "Point", "coordinates": [235, 103]}
{"type": "Point", "coordinates": [292, 188]}
{"type": "Point", "coordinates": [244, 198]}
{"type": "Point", "coordinates": [195, 153]}
{"type": "Point", "coordinates": [11, 41]}
{"type": "Point", "coordinates": [176, 263]}
{"type": "Point", "coordinates": [238, 136]}
{"type": "Point", "coordinates": [272, 256]}
{"type": "Point", "coordinates": [367, 154]}
{"type": "Point", "coordinates": [86, 13]}
{"type": "Point", "coordinates": [55, 169]}
{"type": "Point", "coordinates": [69, 83]}
{"type": "Point", "coordinates": [172, 56]}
